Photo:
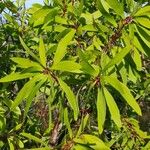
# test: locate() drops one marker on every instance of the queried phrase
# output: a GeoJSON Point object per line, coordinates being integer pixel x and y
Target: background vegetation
{"type": "Point", "coordinates": [75, 75]}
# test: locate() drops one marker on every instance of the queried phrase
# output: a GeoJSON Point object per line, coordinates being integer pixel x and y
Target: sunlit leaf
{"type": "Point", "coordinates": [71, 98]}
{"type": "Point", "coordinates": [69, 66]}
{"type": "Point", "coordinates": [143, 11]}
{"type": "Point", "coordinates": [32, 137]}
{"type": "Point", "coordinates": [125, 92]}
{"type": "Point", "coordinates": [16, 76]}
{"type": "Point", "coordinates": [27, 88]}
{"type": "Point", "coordinates": [82, 125]}
{"type": "Point", "coordinates": [62, 46]}
{"type": "Point", "coordinates": [67, 123]}
{"type": "Point", "coordinates": [101, 110]}
{"type": "Point", "coordinates": [28, 50]}
{"type": "Point", "coordinates": [117, 7]}
{"type": "Point", "coordinates": [93, 142]}
{"type": "Point", "coordinates": [25, 63]}
{"type": "Point", "coordinates": [42, 52]}
{"type": "Point", "coordinates": [113, 108]}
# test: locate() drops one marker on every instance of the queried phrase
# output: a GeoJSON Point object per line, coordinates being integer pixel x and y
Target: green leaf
{"type": "Point", "coordinates": [113, 108]}
{"type": "Point", "coordinates": [86, 67]}
{"type": "Point", "coordinates": [82, 125]}
{"type": "Point", "coordinates": [117, 7]}
{"type": "Point", "coordinates": [62, 47]}
{"type": "Point", "coordinates": [27, 88]}
{"type": "Point", "coordinates": [143, 35]}
{"type": "Point", "coordinates": [32, 137]}
{"type": "Point", "coordinates": [143, 11]}
{"type": "Point", "coordinates": [105, 13]}
{"type": "Point", "coordinates": [94, 142]}
{"type": "Point", "coordinates": [69, 66]}
{"type": "Point", "coordinates": [10, 142]}
{"type": "Point", "coordinates": [137, 59]}
{"type": "Point", "coordinates": [117, 58]}
{"type": "Point", "coordinates": [67, 123]}
{"type": "Point", "coordinates": [42, 52]}
{"type": "Point", "coordinates": [16, 76]}
{"type": "Point", "coordinates": [29, 99]}
{"type": "Point", "coordinates": [26, 63]}
{"type": "Point", "coordinates": [101, 109]}
{"type": "Point", "coordinates": [28, 50]}
{"type": "Point", "coordinates": [125, 92]}
{"type": "Point", "coordinates": [71, 98]}
{"type": "Point", "coordinates": [42, 148]}
{"type": "Point", "coordinates": [145, 22]}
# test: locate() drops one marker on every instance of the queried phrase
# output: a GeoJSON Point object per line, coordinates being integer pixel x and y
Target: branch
{"type": "Point", "coordinates": [112, 40]}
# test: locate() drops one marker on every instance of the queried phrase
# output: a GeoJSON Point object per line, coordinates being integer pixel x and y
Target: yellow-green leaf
{"type": "Point", "coordinates": [71, 98]}
{"type": "Point", "coordinates": [27, 88]}
{"type": "Point", "coordinates": [16, 76]}
{"type": "Point", "coordinates": [69, 66]}
{"type": "Point", "coordinates": [143, 11]}
{"type": "Point", "coordinates": [32, 137]}
{"type": "Point", "coordinates": [101, 110]}
{"type": "Point", "coordinates": [62, 46]}
{"type": "Point", "coordinates": [125, 92]}
{"type": "Point", "coordinates": [28, 50]}
{"type": "Point", "coordinates": [42, 52]}
{"type": "Point", "coordinates": [94, 142]}
{"type": "Point", "coordinates": [26, 63]}
{"type": "Point", "coordinates": [113, 108]}
{"type": "Point", "coordinates": [67, 123]}
{"type": "Point", "coordinates": [117, 7]}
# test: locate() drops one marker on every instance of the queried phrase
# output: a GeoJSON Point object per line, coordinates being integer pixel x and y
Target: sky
{"type": "Point", "coordinates": [30, 2]}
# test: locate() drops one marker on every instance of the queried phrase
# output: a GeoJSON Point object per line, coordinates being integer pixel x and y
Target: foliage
{"type": "Point", "coordinates": [73, 74]}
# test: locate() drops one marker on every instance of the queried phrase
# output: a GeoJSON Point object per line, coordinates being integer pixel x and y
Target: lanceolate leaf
{"type": "Point", "coordinates": [67, 123]}
{"type": "Point", "coordinates": [16, 76]}
{"type": "Point", "coordinates": [62, 46]}
{"type": "Point", "coordinates": [26, 63]}
{"type": "Point", "coordinates": [143, 11]}
{"type": "Point", "coordinates": [117, 7]}
{"type": "Point", "coordinates": [28, 50]}
{"type": "Point", "coordinates": [86, 67]}
{"type": "Point", "coordinates": [101, 109]}
{"type": "Point", "coordinates": [71, 98]}
{"type": "Point", "coordinates": [69, 66]}
{"type": "Point", "coordinates": [32, 94]}
{"type": "Point", "coordinates": [32, 137]}
{"type": "Point", "coordinates": [144, 21]}
{"type": "Point", "coordinates": [82, 125]}
{"type": "Point", "coordinates": [125, 92]}
{"type": "Point", "coordinates": [118, 57]}
{"type": "Point", "coordinates": [42, 52]}
{"type": "Point", "coordinates": [105, 13]}
{"type": "Point", "coordinates": [94, 142]}
{"type": "Point", "coordinates": [113, 108]}
{"type": "Point", "coordinates": [27, 88]}
{"type": "Point", "coordinates": [143, 35]}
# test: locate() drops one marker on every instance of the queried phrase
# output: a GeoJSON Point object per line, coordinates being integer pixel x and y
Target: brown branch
{"type": "Point", "coordinates": [112, 40]}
